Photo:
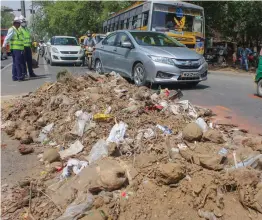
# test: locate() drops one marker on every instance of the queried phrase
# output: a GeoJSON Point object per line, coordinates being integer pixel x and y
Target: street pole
{"type": "Point", "coordinates": [23, 8]}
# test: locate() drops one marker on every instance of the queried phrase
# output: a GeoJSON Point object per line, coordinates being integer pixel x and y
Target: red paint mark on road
{"type": "Point", "coordinates": [223, 108]}
{"type": "Point", "coordinates": [254, 96]}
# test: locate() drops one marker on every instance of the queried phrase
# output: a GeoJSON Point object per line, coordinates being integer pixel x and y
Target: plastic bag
{"type": "Point", "coordinates": [188, 107]}
{"type": "Point", "coordinates": [117, 133]}
{"type": "Point", "coordinates": [73, 165]}
{"type": "Point", "coordinates": [99, 150]}
{"type": "Point", "coordinates": [202, 124]}
{"type": "Point", "coordinates": [74, 210]}
{"type": "Point", "coordinates": [74, 149]}
{"type": "Point", "coordinates": [44, 132]}
{"type": "Point", "coordinates": [82, 118]}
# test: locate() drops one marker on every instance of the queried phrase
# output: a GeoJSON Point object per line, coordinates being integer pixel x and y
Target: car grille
{"type": "Point", "coordinates": [68, 58]}
{"type": "Point", "coordinates": [180, 78]}
{"type": "Point", "coordinates": [69, 52]}
{"type": "Point", "coordinates": [187, 67]}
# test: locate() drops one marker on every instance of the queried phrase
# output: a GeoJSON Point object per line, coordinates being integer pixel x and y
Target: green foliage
{"type": "Point", "coordinates": [6, 17]}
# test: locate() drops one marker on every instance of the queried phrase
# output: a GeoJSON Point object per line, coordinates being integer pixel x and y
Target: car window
{"type": "Point", "coordinates": [155, 39]}
{"type": "Point", "coordinates": [122, 37]}
{"type": "Point", "coordinates": [110, 40]}
{"type": "Point", "coordinates": [66, 41]}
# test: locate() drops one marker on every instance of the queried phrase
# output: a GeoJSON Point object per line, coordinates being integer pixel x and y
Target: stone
{"type": "Point", "coordinates": [26, 139]}
{"type": "Point", "coordinates": [212, 163]}
{"type": "Point", "coordinates": [192, 132]}
{"type": "Point", "coordinates": [51, 155]}
{"type": "Point", "coordinates": [214, 136]}
{"type": "Point", "coordinates": [37, 102]}
{"type": "Point", "coordinates": [170, 173]}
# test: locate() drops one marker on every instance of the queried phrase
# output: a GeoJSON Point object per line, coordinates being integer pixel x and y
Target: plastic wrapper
{"type": "Point", "coordinates": [99, 150]}
{"type": "Point", "coordinates": [74, 149]}
{"type": "Point", "coordinates": [117, 133]}
{"type": "Point", "coordinates": [82, 118]}
{"type": "Point", "coordinates": [44, 132]}
{"type": "Point", "coordinates": [75, 210]}
{"type": "Point", "coordinates": [73, 165]}
{"type": "Point", "coordinates": [202, 124]}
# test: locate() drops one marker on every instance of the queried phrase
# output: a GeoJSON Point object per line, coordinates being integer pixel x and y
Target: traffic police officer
{"type": "Point", "coordinates": [15, 37]}
{"type": "Point", "coordinates": [27, 47]}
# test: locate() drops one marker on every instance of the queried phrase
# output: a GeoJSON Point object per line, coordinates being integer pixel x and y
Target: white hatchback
{"type": "Point", "coordinates": [63, 49]}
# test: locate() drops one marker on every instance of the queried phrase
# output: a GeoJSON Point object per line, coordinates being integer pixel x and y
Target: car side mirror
{"type": "Point", "coordinates": [127, 44]}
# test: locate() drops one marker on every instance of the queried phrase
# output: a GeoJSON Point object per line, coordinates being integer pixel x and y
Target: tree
{"type": "Point", "coordinates": [7, 17]}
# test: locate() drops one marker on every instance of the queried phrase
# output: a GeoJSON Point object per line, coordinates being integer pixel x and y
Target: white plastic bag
{"type": "Point", "coordinates": [74, 149]}
{"type": "Point", "coordinates": [202, 124]}
{"type": "Point", "coordinates": [117, 133]}
{"type": "Point", "coordinates": [75, 210]}
{"type": "Point", "coordinates": [99, 150]}
{"type": "Point", "coordinates": [82, 118]}
{"type": "Point", "coordinates": [73, 165]}
{"type": "Point", "coordinates": [44, 132]}
{"type": "Point", "coordinates": [188, 107]}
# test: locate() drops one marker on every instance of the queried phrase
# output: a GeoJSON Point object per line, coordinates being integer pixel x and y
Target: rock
{"type": "Point", "coordinates": [26, 139]}
{"type": "Point", "coordinates": [34, 135]}
{"type": "Point", "coordinates": [94, 97]}
{"type": "Point", "coordinates": [258, 201]}
{"type": "Point", "coordinates": [192, 132]}
{"type": "Point", "coordinates": [10, 129]}
{"type": "Point", "coordinates": [41, 122]}
{"type": "Point", "coordinates": [24, 183]}
{"type": "Point", "coordinates": [25, 149]}
{"type": "Point", "coordinates": [51, 155]}
{"type": "Point", "coordinates": [214, 136]}
{"type": "Point", "coordinates": [213, 163]}
{"type": "Point", "coordinates": [99, 202]}
{"type": "Point", "coordinates": [37, 102]}
{"type": "Point", "coordinates": [23, 114]}
{"type": "Point", "coordinates": [254, 143]}
{"type": "Point", "coordinates": [53, 167]}
{"type": "Point", "coordinates": [170, 173]}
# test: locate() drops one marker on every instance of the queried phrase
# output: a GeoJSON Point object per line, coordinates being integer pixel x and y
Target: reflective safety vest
{"type": "Point", "coordinates": [27, 36]}
{"type": "Point", "coordinates": [17, 41]}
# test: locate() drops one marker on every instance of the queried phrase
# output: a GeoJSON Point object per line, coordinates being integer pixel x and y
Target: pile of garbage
{"type": "Point", "coordinates": [115, 151]}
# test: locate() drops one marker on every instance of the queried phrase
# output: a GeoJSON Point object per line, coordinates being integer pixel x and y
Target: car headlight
{"type": "Point", "coordinates": [202, 60]}
{"type": "Point", "coordinates": [164, 60]}
{"type": "Point", "coordinates": [55, 50]}
{"type": "Point", "coordinates": [81, 51]}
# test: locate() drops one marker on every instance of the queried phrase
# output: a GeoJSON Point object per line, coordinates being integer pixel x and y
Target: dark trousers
{"type": "Point", "coordinates": [18, 61]}
{"type": "Point", "coordinates": [28, 61]}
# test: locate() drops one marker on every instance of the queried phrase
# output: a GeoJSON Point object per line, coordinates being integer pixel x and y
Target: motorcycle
{"type": "Point", "coordinates": [88, 58]}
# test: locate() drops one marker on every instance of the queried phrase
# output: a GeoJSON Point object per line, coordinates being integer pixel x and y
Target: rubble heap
{"type": "Point", "coordinates": [116, 151]}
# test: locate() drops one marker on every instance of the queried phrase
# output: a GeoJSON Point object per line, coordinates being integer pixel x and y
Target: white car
{"type": "Point", "coordinates": [63, 49]}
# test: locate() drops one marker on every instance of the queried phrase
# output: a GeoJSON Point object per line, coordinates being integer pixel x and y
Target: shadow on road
{"type": "Point", "coordinates": [181, 87]}
{"type": "Point", "coordinates": [40, 77]}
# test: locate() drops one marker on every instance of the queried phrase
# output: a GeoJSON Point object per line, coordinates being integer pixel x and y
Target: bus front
{"type": "Point", "coordinates": [182, 21]}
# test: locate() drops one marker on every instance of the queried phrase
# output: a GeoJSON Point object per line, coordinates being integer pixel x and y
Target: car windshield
{"type": "Point", "coordinates": [155, 39]}
{"type": "Point", "coordinates": [65, 41]}
{"type": "Point", "coordinates": [4, 32]}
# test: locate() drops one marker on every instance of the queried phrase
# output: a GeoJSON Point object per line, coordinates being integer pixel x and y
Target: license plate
{"type": "Point", "coordinates": [190, 74]}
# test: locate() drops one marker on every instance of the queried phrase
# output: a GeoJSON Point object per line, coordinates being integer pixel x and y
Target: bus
{"type": "Point", "coordinates": [180, 20]}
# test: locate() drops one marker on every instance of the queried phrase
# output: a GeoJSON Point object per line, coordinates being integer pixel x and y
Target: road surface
{"type": "Point", "coordinates": [231, 95]}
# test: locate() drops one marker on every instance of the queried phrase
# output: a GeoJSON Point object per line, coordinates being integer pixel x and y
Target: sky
{"type": "Point", "coordinates": [17, 5]}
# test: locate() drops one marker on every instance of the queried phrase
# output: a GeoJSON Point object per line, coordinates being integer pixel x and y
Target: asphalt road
{"type": "Point", "coordinates": [6, 62]}
{"type": "Point", "coordinates": [231, 95]}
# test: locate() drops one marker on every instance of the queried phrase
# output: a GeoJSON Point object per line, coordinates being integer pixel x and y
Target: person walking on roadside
{"type": "Point", "coordinates": [244, 57]}
{"type": "Point", "coordinates": [15, 37]}
{"type": "Point", "coordinates": [27, 48]}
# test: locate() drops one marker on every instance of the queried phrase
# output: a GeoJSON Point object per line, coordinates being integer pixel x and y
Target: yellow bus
{"type": "Point", "coordinates": [183, 21]}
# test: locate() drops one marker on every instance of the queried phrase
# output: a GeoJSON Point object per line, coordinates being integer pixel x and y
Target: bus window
{"type": "Point", "coordinates": [134, 22]}
{"type": "Point", "coordinates": [122, 25]}
{"type": "Point", "coordinates": [145, 18]}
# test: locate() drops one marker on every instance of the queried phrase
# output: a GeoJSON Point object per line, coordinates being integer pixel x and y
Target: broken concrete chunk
{"type": "Point", "coordinates": [170, 173]}
{"type": "Point", "coordinates": [51, 155]}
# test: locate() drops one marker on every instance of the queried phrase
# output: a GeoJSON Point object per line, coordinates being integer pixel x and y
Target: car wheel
{"type": "Point", "coordinates": [259, 88]}
{"type": "Point", "coordinates": [98, 66]}
{"type": "Point", "coordinates": [139, 74]}
{"type": "Point", "coordinates": [51, 62]}
{"type": "Point", "coordinates": [193, 84]}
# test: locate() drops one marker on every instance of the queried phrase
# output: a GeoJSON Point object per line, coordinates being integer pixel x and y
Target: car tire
{"type": "Point", "coordinates": [139, 74]}
{"type": "Point", "coordinates": [192, 84]}
{"type": "Point", "coordinates": [98, 66]}
{"type": "Point", "coordinates": [259, 88]}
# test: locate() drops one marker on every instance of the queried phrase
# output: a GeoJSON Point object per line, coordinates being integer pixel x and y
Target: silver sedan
{"type": "Point", "coordinates": [149, 57]}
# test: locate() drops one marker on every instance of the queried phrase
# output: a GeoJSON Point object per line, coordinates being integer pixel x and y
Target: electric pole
{"type": "Point", "coordinates": [23, 8]}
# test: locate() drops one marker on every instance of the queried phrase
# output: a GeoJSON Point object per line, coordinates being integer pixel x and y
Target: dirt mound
{"type": "Point", "coordinates": [131, 153]}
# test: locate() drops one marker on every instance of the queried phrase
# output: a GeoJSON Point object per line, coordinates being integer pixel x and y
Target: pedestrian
{"type": "Point", "coordinates": [244, 57]}
{"type": "Point", "coordinates": [15, 37]}
{"type": "Point", "coordinates": [27, 48]}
